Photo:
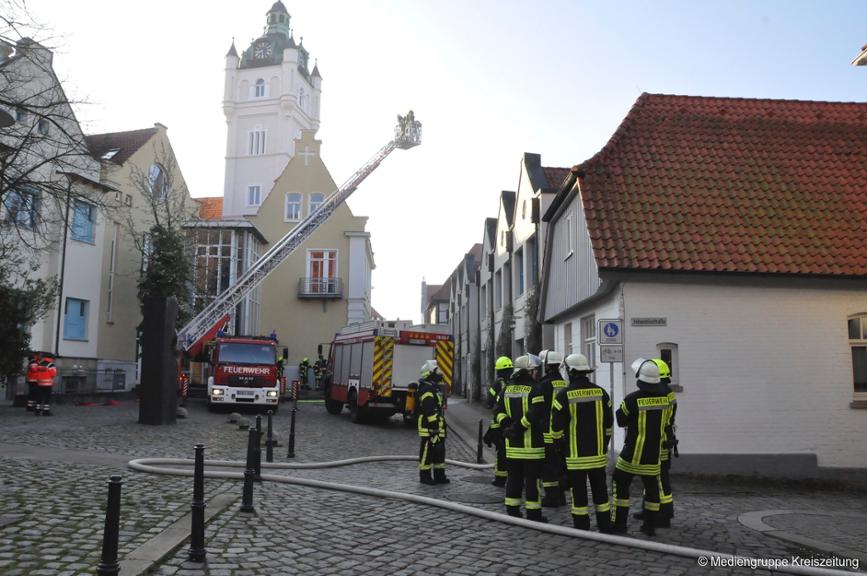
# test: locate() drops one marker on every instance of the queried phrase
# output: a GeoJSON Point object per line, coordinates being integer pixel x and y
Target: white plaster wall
{"type": "Point", "coordinates": [765, 368]}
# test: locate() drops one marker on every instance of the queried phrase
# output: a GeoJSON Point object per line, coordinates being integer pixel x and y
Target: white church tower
{"type": "Point", "coordinates": [270, 96]}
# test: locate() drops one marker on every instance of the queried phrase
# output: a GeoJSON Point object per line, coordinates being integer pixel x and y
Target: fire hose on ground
{"type": "Point", "coordinates": [169, 466]}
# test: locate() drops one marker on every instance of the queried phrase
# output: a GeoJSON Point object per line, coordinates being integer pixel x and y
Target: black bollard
{"type": "Point", "coordinates": [479, 454]}
{"type": "Point", "coordinates": [291, 453]}
{"type": "Point", "coordinates": [197, 530]}
{"type": "Point", "coordinates": [249, 473]}
{"type": "Point", "coordinates": [269, 443]}
{"type": "Point", "coordinates": [108, 564]}
{"type": "Point", "coordinates": [257, 451]}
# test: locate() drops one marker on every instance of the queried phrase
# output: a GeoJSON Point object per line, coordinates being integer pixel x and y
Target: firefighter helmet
{"type": "Point", "coordinates": [527, 363]}
{"type": "Point", "coordinates": [549, 357]}
{"type": "Point", "coordinates": [428, 369]}
{"type": "Point", "coordinates": [503, 363]}
{"type": "Point", "coordinates": [646, 371]}
{"type": "Point", "coordinates": [664, 370]}
{"type": "Point", "coordinates": [577, 363]}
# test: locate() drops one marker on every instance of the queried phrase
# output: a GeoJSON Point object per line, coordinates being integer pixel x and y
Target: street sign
{"type": "Point", "coordinates": [610, 332]}
{"type": "Point", "coordinates": [611, 353]}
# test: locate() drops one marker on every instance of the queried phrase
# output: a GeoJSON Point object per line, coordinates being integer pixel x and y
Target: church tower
{"type": "Point", "coordinates": [270, 96]}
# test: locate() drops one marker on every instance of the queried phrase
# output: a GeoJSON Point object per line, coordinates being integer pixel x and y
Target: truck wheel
{"type": "Point", "coordinates": [356, 414]}
{"type": "Point", "coordinates": [333, 406]}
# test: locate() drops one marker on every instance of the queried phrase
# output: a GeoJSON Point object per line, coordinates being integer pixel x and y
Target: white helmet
{"type": "Point", "coordinates": [528, 362]}
{"type": "Point", "coordinates": [577, 363]}
{"type": "Point", "coordinates": [549, 357]}
{"type": "Point", "coordinates": [428, 368]}
{"type": "Point", "coordinates": [646, 371]}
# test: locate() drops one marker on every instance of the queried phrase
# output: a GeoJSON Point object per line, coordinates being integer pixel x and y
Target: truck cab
{"type": "Point", "coordinates": [244, 371]}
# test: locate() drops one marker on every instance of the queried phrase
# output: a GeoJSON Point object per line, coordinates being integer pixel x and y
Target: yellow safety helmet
{"type": "Point", "coordinates": [503, 363]}
{"type": "Point", "coordinates": [664, 370]}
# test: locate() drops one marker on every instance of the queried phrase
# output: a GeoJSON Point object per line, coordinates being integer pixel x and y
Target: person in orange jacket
{"type": "Point", "coordinates": [45, 382]}
{"type": "Point", "coordinates": [32, 389]}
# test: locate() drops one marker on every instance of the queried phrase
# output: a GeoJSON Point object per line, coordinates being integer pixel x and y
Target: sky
{"type": "Point", "coordinates": [488, 79]}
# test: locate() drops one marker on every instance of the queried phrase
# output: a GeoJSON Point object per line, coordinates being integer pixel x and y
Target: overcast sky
{"type": "Point", "coordinates": [488, 79]}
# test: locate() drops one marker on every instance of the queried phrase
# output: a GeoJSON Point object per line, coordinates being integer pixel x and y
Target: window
{"type": "Point", "coordinates": [588, 339]}
{"type": "Point", "coordinates": [668, 353]}
{"type": "Point", "coordinates": [519, 271]}
{"type": "Point", "coordinates": [256, 142]}
{"type": "Point", "coordinates": [22, 207]}
{"type": "Point", "coordinates": [254, 195]}
{"type": "Point", "coordinates": [83, 215]}
{"type": "Point", "coordinates": [20, 115]}
{"type": "Point", "coordinates": [158, 182]}
{"type": "Point", "coordinates": [498, 290]}
{"type": "Point", "coordinates": [42, 127]}
{"type": "Point", "coordinates": [75, 319]}
{"type": "Point", "coordinates": [858, 345]}
{"type": "Point", "coordinates": [293, 206]}
{"type": "Point", "coordinates": [316, 201]}
{"type": "Point", "coordinates": [532, 262]}
{"type": "Point", "coordinates": [321, 272]}
{"type": "Point", "coordinates": [442, 313]}
{"type": "Point", "coordinates": [567, 338]}
{"type": "Point", "coordinates": [259, 88]}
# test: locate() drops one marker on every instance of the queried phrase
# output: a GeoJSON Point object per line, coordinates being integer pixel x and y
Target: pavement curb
{"type": "Point", "coordinates": [143, 558]}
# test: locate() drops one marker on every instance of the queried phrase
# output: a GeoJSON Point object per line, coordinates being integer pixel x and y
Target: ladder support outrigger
{"type": "Point", "coordinates": [407, 134]}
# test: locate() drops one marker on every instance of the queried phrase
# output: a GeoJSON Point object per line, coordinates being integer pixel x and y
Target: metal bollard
{"type": "Point", "coordinates": [108, 564]}
{"type": "Point", "coordinates": [257, 451]}
{"type": "Point", "coordinates": [269, 443]}
{"type": "Point", "coordinates": [249, 473]}
{"type": "Point", "coordinates": [291, 453]}
{"type": "Point", "coordinates": [197, 508]}
{"type": "Point", "coordinates": [479, 454]}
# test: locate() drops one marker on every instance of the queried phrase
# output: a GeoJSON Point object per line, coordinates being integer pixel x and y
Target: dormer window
{"type": "Point", "coordinates": [259, 89]}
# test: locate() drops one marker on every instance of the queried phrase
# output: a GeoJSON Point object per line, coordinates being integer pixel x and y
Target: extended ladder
{"type": "Point", "coordinates": [406, 135]}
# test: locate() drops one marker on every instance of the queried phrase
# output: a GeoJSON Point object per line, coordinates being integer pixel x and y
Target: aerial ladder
{"type": "Point", "coordinates": [407, 134]}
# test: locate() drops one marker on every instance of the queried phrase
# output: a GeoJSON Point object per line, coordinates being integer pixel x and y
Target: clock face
{"type": "Point", "coordinates": [262, 50]}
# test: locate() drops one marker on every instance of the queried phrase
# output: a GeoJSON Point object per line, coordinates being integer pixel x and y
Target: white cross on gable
{"type": "Point", "coordinates": [307, 154]}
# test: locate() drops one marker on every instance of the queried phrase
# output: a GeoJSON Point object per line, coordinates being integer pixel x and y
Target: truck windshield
{"type": "Point", "coordinates": [231, 353]}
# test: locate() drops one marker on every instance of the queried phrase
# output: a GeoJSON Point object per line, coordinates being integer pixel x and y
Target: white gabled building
{"type": "Point", "coordinates": [464, 323]}
{"type": "Point", "coordinates": [728, 235]}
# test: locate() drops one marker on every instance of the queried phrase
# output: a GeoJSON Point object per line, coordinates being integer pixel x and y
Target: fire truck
{"type": "Point", "coordinates": [373, 366]}
{"type": "Point", "coordinates": [244, 371]}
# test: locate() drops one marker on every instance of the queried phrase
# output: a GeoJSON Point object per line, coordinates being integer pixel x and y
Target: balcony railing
{"type": "Point", "coordinates": [320, 287]}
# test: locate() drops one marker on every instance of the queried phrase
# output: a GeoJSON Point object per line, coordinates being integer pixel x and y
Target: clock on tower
{"type": "Point", "coordinates": [262, 50]}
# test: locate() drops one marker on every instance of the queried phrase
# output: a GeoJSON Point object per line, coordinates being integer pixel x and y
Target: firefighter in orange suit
{"type": "Point", "coordinates": [431, 425]}
{"type": "Point", "coordinates": [45, 382]}
{"type": "Point", "coordinates": [32, 388]}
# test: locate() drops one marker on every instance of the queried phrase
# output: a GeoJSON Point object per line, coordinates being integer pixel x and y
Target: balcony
{"type": "Point", "coordinates": [318, 288]}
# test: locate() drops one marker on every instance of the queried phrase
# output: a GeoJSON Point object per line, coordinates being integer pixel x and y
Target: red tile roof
{"type": "Point", "coordinates": [126, 143]}
{"type": "Point", "coordinates": [210, 207]}
{"type": "Point", "coordinates": [731, 185]}
{"type": "Point", "coordinates": [555, 176]}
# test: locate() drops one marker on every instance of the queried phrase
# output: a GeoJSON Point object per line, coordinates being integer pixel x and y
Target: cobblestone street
{"type": "Point", "coordinates": [54, 473]}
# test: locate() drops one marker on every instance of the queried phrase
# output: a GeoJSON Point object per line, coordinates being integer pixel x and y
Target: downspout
{"type": "Point", "coordinates": [62, 268]}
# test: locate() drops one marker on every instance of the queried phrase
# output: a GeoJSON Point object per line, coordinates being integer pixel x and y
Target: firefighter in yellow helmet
{"type": "Point", "coordinates": [551, 383]}
{"type": "Point", "coordinates": [582, 423]}
{"type": "Point", "coordinates": [520, 412]}
{"type": "Point", "coordinates": [644, 414]}
{"type": "Point", "coordinates": [431, 425]}
{"type": "Point", "coordinates": [494, 435]}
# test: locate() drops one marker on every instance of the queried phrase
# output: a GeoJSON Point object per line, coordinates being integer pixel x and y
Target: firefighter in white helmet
{"type": "Point", "coordinates": [520, 412]}
{"type": "Point", "coordinates": [582, 421]}
{"type": "Point", "coordinates": [644, 414]}
{"type": "Point", "coordinates": [431, 425]}
{"type": "Point", "coordinates": [551, 383]}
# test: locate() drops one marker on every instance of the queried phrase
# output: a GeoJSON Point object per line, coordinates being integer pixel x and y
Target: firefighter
{"type": "Point", "coordinates": [643, 413]}
{"type": "Point", "coordinates": [303, 369]}
{"type": "Point", "coordinates": [520, 413]}
{"type": "Point", "coordinates": [44, 382]}
{"type": "Point", "coordinates": [581, 422]}
{"type": "Point", "coordinates": [669, 446]}
{"type": "Point", "coordinates": [431, 425]}
{"type": "Point", "coordinates": [32, 388]}
{"type": "Point", "coordinates": [551, 383]}
{"type": "Point", "coordinates": [494, 435]}
{"type": "Point", "coordinates": [318, 372]}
